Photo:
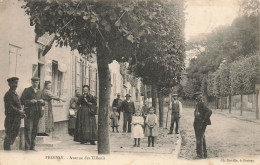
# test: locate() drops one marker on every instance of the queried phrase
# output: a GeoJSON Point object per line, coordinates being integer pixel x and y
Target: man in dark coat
{"type": "Point", "coordinates": [176, 112]}
{"type": "Point", "coordinates": [128, 109]}
{"type": "Point", "coordinates": [13, 113]}
{"type": "Point", "coordinates": [32, 100]}
{"type": "Point", "coordinates": [201, 119]}
{"type": "Point", "coordinates": [117, 103]}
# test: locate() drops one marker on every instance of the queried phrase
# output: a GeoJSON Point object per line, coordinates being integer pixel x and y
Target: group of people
{"type": "Point", "coordinates": [145, 122]}
{"type": "Point", "coordinates": [32, 106]}
{"type": "Point", "coordinates": [137, 122]}
{"type": "Point", "coordinates": [35, 103]}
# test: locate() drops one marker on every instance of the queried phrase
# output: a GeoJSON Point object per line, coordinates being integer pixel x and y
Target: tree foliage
{"type": "Point", "coordinates": [243, 75]}
{"type": "Point", "coordinates": [230, 43]}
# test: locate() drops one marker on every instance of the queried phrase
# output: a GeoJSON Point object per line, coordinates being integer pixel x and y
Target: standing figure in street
{"type": "Point", "coordinates": [73, 112]}
{"type": "Point", "coordinates": [13, 112]}
{"type": "Point", "coordinates": [33, 103]}
{"type": "Point", "coordinates": [47, 119]}
{"type": "Point", "coordinates": [114, 119]}
{"type": "Point", "coordinates": [117, 103]}
{"type": "Point", "coordinates": [176, 113]}
{"type": "Point", "coordinates": [201, 119]}
{"type": "Point", "coordinates": [86, 126]}
{"type": "Point", "coordinates": [151, 130]}
{"type": "Point", "coordinates": [137, 129]}
{"type": "Point", "coordinates": [128, 108]}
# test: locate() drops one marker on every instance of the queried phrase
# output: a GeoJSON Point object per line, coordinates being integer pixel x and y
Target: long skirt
{"type": "Point", "coordinates": [46, 123]}
{"type": "Point", "coordinates": [86, 126]}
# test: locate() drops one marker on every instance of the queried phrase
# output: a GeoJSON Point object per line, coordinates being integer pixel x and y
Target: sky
{"type": "Point", "coordinates": [202, 16]}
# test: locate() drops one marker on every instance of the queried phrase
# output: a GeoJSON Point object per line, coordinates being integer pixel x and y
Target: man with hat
{"type": "Point", "coordinates": [32, 100]}
{"type": "Point", "coordinates": [201, 119]}
{"type": "Point", "coordinates": [13, 112]}
{"type": "Point", "coordinates": [176, 112]}
{"type": "Point", "coordinates": [117, 103]}
{"type": "Point", "coordinates": [128, 109]}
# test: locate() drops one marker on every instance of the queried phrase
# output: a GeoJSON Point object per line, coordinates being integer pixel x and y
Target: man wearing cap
{"type": "Point", "coordinates": [32, 100]}
{"type": "Point", "coordinates": [117, 103]}
{"type": "Point", "coordinates": [201, 119]}
{"type": "Point", "coordinates": [176, 113]}
{"type": "Point", "coordinates": [13, 113]}
{"type": "Point", "coordinates": [128, 109]}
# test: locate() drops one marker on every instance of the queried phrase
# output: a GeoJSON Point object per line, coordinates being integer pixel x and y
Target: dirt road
{"type": "Point", "coordinates": [226, 137]}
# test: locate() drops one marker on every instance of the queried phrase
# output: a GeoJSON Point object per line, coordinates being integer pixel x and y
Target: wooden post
{"type": "Point", "coordinates": [257, 108]}
{"type": "Point", "coordinates": [241, 110]}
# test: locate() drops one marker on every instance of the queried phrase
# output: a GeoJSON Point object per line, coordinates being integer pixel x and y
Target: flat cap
{"type": "Point", "coordinates": [127, 95]}
{"type": "Point", "coordinates": [35, 79]}
{"type": "Point", "coordinates": [118, 94]}
{"type": "Point", "coordinates": [12, 79]}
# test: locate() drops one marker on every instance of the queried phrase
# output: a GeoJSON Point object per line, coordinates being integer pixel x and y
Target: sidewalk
{"type": "Point", "coordinates": [249, 116]}
{"type": "Point", "coordinates": [122, 143]}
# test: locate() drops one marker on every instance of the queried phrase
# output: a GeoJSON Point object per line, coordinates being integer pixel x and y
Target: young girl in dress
{"type": "Point", "coordinates": [151, 126]}
{"type": "Point", "coordinates": [137, 129]}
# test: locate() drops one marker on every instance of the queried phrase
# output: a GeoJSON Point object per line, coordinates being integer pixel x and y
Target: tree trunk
{"type": "Point", "coordinates": [161, 106]}
{"type": "Point", "coordinates": [169, 108]}
{"type": "Point", "coordinates": [145, 94]}
{"type": "Point", "coordinates": [241, 110]}
{"type": "Point", "coordinates": [257, 108]}
{"type": "Point", "coordinates": [216, 104]}
{"type": "Point", "coordinates": [229, 102]}
{"type": "Point", "coordinates": [154, 98]}
{"type": "Point", "coordinates": [104, 100]}
{"type": "Point", "coordinates": [221, 106]}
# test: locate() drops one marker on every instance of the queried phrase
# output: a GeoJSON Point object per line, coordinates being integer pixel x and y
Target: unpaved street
{"type": "Point", "coordinates": [226, 137]}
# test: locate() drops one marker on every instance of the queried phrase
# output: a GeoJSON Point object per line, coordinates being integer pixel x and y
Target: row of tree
{"type": "Point", "coordinates": [147, 34]}
{"type": "Point", "coordinates": [229, 44]}
{"type": "Point", "coordinates": [236, 78]}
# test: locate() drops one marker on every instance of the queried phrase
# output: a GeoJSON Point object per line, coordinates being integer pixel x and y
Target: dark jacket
{"type": "Point", "coordinates": [12, 104]}
{"type": "Point", "coordinates": [32, 109]}
{"type": "Point", "coordinates": [204, 113]}
{"type": "Point", "coordinates": [116, 102]}
{"type": "Point", "coordinates": [128, 107]}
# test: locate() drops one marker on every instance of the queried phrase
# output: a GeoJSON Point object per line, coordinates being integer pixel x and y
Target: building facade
{"type": "Point", "coordinates": [24, 56]}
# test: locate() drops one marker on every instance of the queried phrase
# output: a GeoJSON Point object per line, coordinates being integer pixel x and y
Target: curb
{"type": "Point", "coordinates": [177, 147]}
{"type": "Point", "coordinates": [237, 117]}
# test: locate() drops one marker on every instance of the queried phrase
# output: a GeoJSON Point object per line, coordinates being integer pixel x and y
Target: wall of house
{"type": "Point", "coordinates": [116, 81]}
{"type": "Point", "coordinates": [15, 29]}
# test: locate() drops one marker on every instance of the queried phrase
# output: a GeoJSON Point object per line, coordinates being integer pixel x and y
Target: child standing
{"type": "Point", "coordinates": [151, 126]}
{"type": "Point", "coordinates": [114, 119]}
{"type": "Point", "coordinates": [137, 129]}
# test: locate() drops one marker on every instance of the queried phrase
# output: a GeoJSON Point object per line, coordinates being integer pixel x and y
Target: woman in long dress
{"type": "Point", "coordinates": [47, 120]}
{"type": "Point", "coordinates": [86, 126]}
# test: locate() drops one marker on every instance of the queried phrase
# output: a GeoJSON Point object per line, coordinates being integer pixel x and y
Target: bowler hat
{"type": "Point", "coordinates": [12, 79]}
{"type": "Point", "coordinates": [127, 95]}
{"type": "Point", "coordinates": [35, 79]}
